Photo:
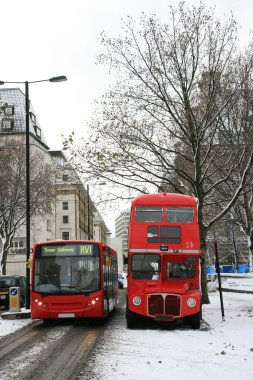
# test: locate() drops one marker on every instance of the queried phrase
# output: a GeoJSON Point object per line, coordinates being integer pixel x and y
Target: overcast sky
{"type": "Point", "coordinates": [45, 38]}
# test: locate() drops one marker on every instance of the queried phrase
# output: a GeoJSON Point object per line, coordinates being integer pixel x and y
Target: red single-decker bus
{"type": "Point", "coordinates": [164, 259]}
{"type": "Point", "coordinates": [73, 279]}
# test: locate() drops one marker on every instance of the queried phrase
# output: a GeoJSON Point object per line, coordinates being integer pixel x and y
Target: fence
{"type": "Point", "coordinates": [16, 265]}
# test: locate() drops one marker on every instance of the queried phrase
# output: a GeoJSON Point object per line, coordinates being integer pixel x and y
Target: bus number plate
{"type": "Point", "coordinates": [66, 315]}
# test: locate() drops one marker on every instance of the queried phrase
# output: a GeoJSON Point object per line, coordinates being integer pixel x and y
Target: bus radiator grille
{"type": "Point", "coordinates": [172, 305]}
{"type": "Point", "coordinates": [155, 304]}
{"type": "Point", "coordinates": [159, 304]}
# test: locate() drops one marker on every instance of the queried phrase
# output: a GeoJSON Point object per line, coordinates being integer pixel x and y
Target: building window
{"type": "Point", "coordinates": [48, 225]}
{"type": "Point", "coordinates": [33, 117]}
{"type": "Point", "coordinates": [65, 177]}
{"type": "Point", "coordinates": [37, 131]}
{"type": "Point", "coordinates": [7, 124]}
{"type": "Point", "coordinates": [65, 235]}
{"type": "Point", "coordinates": [65, 219]}
{"type": "Point", "coordinates": [17, 247]}
{"type": "Point", "coordinates": [65, 205]}
{"type": "Point", "coordinates": [9, 110]}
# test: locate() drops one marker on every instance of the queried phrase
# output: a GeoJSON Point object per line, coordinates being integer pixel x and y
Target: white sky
{"type": "Point", "coordinates": [45, 38]}
{"type": "Point", "coordinates": [224, 351]}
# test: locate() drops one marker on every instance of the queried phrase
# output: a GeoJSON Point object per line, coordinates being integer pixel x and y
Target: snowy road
{"type": "Point", "coordinates": [45, 353]}
{"type": "Point", "coordinates": [150, 352]}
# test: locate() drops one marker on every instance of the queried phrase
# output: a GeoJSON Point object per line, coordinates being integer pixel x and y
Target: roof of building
{"type": "Point", "coordinates": [14, 121]}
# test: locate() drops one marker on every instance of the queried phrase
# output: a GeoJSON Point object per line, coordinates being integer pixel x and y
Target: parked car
{"type": "Point", "coordinates": [8, 281]}
{"type": "Point", "coordinates": [120, 280]}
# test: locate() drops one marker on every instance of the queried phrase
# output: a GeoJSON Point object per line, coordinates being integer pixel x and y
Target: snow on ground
{"type": "Point", "coordinates": [225, 350]}
{"type": "Point", "coordinates": [151, 352]}
{"type": "Point", "coordinates": [245, 282]}
{"type": "Point", "coordinates": [8, 326]}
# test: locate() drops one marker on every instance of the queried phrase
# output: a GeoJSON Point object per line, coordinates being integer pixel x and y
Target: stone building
{"type": "Point", "coordinates": [121, 231]}
{"type": "Point", "coordinates": [73, 213]}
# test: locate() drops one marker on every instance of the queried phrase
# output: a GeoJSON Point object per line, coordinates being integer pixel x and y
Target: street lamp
{"type": "Point", "coordinates": [88, 204]}
{"type": "Point", "coordinates": [27, 134]}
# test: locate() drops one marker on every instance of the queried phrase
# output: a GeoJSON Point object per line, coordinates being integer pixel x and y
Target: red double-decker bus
{"type": "Point", "coordinates": [73, 279]}
{"type": "Point", "coordinates": [164, 259]}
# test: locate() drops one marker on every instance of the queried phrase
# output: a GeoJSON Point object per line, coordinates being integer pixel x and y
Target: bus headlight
{"type": "Point", "coordinates": [136, 301]}
{"type": "Point", "coordinates": [191, 302]}
{"type": "Point", "coordinates": [93, 301]}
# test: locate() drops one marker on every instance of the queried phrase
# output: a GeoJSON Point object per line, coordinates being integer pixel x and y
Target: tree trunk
{"type": "Point", "coordinates": [250, 245]}
{"type": "Point", "coordinates": [205, 298]}
{"type": "Point", "coordinates": [4, 259]}
{"type": "Point", "coordinates": [203, 245]}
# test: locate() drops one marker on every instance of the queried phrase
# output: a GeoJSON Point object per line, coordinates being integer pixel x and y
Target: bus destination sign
{"type": "Point", "coordinates": [69, 250]}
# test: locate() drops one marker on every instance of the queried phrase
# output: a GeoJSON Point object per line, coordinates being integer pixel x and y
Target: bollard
{"type": "Point", "coordinates": [14, 299]}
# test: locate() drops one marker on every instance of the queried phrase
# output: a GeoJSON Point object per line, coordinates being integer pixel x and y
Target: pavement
{"type": "Point", "coordinates": [22, 314]}
{"type": "Point", "coordinates": [237, 282]}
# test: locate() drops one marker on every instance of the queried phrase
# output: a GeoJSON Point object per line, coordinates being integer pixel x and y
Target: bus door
{"type": "Point", "coordinates": [110, 280]}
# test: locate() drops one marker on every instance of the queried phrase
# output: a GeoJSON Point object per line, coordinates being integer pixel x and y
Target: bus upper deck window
{"type": "Point", "coordinates": [148, 214]}
{"type": "Point", "coordinates": [179, 214]}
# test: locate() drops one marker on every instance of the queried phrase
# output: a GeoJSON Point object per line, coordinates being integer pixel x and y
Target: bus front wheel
{"type": "Point", "coordinates": [196, 319]}
{"type": "Point", "coordinates": [131, 319]}
{"type": "Point", "coordinates": [193, 320]}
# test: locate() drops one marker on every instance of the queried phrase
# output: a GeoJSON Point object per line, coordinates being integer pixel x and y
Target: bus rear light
{"type": "Point", "coordinates": [191, 302]}
{"type": "Point", "coordinates": [136, 301]}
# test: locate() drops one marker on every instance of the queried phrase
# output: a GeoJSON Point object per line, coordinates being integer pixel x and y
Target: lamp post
{"type": "Point", "coordinates": [88, 204]}
{"type": "Point", "coordinates": [27, 145]}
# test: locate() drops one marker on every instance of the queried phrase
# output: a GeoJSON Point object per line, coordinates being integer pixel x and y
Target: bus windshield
{"type": "Point", "coordinates": [181, 270]}
{"type": "Point", "coordinates": [67, 268]}
{"type": "Point", "coordinates": [146, 267]}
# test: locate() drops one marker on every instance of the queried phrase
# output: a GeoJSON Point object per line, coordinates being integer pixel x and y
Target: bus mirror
{"type": "Point", "coordinates": [125, 259]}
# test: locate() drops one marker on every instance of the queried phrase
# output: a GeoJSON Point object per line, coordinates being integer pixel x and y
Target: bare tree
{"type": "Point", "coordinates": [240, 124]}
{"type": "Point", "coordinates": [242, 216]}
{"type": "Point", "coordinates": [12, 188]}
{"type": "Point", "coordinates": [166, 122]}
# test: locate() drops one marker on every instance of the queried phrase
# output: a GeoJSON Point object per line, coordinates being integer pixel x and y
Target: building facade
{"type": "Point", "coordinates": [121, 231]}
{"type": "Point", "coordinates": [73, 213]}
